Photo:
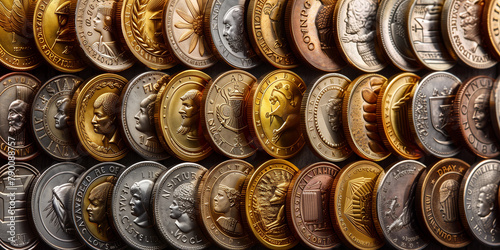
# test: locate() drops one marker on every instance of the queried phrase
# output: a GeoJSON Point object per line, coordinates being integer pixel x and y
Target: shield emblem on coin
{"type": "Point", "coordinates": [441, 108]}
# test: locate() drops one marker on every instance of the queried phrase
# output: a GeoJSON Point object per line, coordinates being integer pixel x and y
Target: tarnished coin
{"type": "Point", "coordinates": [431, 114]}
{"type": "Point", "coordinates": [308, 206]}
{"type": "Point", "coordinates": [17, 91]}
{"type": "Point", "coordinates": [490, 27]}
{"type": "Point", "coordinates": [264, 209]}
{"type": "Point", "coordinates": [15, 229]}
{"type": "Point", "coordinates": [274, 113]}
{"type": "Point", "coordinates": [394, 206]}
{"type": "Point", "coordinates": [223, 114]}
{"type": "Point", "coordinates": [54, 26]}
{"type": "Point", "coordinates": [354, 31]}
{"type": "Point", "coordinates": [96, 106]}
{"type": "Point", "coordinates": [174, 206]}
{"type": "Point", "coordinates": [51, 195]}
{"type": "Point", "coordinates": [393, 106]}
{"type": "Point", "coordinates": [321, 117]}
{"type": "Point", "coordinates": [460, 23]}
{"type": "Point", "coordinates": [91, 206]}
{"type": "Point", "coordinates": [471, 110]}
{"type": "Point", "coordinates": [130, 205]}
{"type": "Point", "coordinates": [478, 204]}
{"type": "Point", "coordinates": [219, 200]}
{"type": "Point", "coordinates": [177, 115]}
{"type": "Point", "coordinates": [359, 118]}
{"type": "Point", "coordinates": [495, 107]}
{"type": "Point", "coordinates": [137, 115]}
{"type": "Point", "coordinates": [351, 204]}
{"type": "Point", "coordinates": [50, 117]}
{"type": "Point", "coordinates": [437, 202]}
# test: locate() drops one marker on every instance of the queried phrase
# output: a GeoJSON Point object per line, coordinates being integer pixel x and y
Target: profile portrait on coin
{"type": "Point", "coordinates": [97, 210]}
{"type": "Point", "coordinates": [139, 203]}
{"type": "Point", "coordinates": [59, 205]}
{"type": "Point", "coordinates": [17, 120]}
{"type": "Point", "coordinates": [145, 121]}
{"type": "Point", "coordinates": [288, 109]}
{"type": "Point", "coordinates": [334, 111]}
{"type": "Point", "coordinates": [64, 33]}
{"type": "Point", "coordinates": [105, 108]}
{"type": "Point", "coordinates": [234, 29]}
{"type": "Point", "coordinates": [227, 202]}
{"type": "Point", "coordinates": [61, 118]}
{"type": "Point", "coordinates": [190, 113]}
{"type": "Point", "coordinates": [103, 24]}
{"type": "Point", "coordinates": [481, 113]}
{"type": "Point", "coordinates": [470, 20]}
{"type": "Point", "coordinates": [448, 200]}
{"type": "Point", "coordinates": [182, 208]}
{"type": "Point", "coordinates": [277, 218]}
{"type": "Point", "coordinates": [486, 202]}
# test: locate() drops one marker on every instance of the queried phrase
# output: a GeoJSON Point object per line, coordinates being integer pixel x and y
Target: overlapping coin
{"type": "Point", "coordinates": [495, 107]}
{"type": "Point", "coordinates": [490, 26]}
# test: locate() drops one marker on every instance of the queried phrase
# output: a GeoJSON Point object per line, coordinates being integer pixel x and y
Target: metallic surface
{"type": "Point", "coordinates": [495, 107]}
{"type": "Point", "coordinates": [490, 27]}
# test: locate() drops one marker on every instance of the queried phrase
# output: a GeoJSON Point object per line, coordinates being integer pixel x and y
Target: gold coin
{"type": "Point", "coordinates": [491, 27]}
{"type": "Point", "coordinates": [274, 113]}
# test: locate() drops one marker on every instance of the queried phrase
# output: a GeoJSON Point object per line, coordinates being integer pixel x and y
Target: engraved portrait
{"type": "Point", "coordinates": [234, 31]}
{"type": "Point", "coordinates": [182, 208]}
{"type": "Point", "coordinates": [145, 121]}
{"type": "Point", "coordinates": [17, 119]}
{"type": "Point", "coordinates": [470, 22]}
{"type": "Point", "coordinates": [370, 96]}
{"type": "Point", "coordinates": [448, 200]}
{"type": "Point", "coordinates": [286, 108]}
{"type": "Point", "coordinates": [61, 118]}
{"type": "Point", "coordinates": [481, 112]}
{"type": "Point", "coordinates": [227, 203]}
{"type": "Point", "coordinates": [64, 33]}
{"type": "Point", "coordinates": [104, 122]}
{"type": "Point", "coordinates": [324, 23]}
{"type": "Point", "coordinates": [231, 112]}
{"type": "Point", "coordinates": [59, 206]}
{"type": "Point", "coordinates": [97, 210]}
{"type": "Point", "coordinates": [359, 203]}
{"type": "Point", "coordinates": [16, 20]}
{"type": "Point", "coordinates": [139, 203]}
{"type": "Point", "coordinates": [275, 10]}
{"type": "Point", "coordinates": [155, 7]}
{"type": "Point", "coordinates": [103, 24]}
{"type": "Point", "coordinates": [333, 109]}
{"type": "Point", "coordinates": [486, 205]}
{"type": "Point", "coordinates": [190, 113]}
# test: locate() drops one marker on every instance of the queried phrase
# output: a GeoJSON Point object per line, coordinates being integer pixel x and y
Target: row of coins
{"type": "Point", "coordinates": [324, 34]}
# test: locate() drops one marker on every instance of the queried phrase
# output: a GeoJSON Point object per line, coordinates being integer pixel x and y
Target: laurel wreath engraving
{"type": "Point", "coordinates": [139, 30]}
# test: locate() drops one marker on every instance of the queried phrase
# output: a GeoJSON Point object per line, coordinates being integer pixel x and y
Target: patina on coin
{"type": "Point", "coordinates": [219, 201]}
{"type": "Point", "coordinates": [431, 114]}
{"type": "Point", "coordinates": [394, 206]}
{"type": "Point", "coordinates": [174, 206]}
{"type": "Point", "coordinates": [359, 118]}
{"type": "Point", "coordinates": [177, 115]}
{"type": "Point", "coordinates": [51, 195]}
{"type": "Point", "coordinates": [437, 202]}
{"type": "Point", "coordinates": [264, 212]}
{"type": "Point", "coordinates": [223, 114]}
{"type": "Point", "coordinates": [321, 117]}
{"type": "Point", "coordinates": [137, 115]}
{"type": "Point", "coordinates": [351, 205]}
{"type": "Point", "coordinates": [91, 206]}
{"type": "Point", "coordinates": [96, 106]}
{"type": "Point", "coordinates": [308, 206]}
{"type": "Point", "coordinates": [491, 27]}
{"type": "Point", "coordinates": [17, 91]}
{"type": "Point", "coordinates": [15, 228]}
{"type": "Point", "coordinates": [393, 106]}
{"type": "Point", "coordinates": [50, 117]}
{"type": "Point", "coordinates": [130, 205]}
{"type": "Point", "coordinates": [274, 113]}
{"type": "Point", "coordinates": [471, 110]}
{"type": "Point", "coordinates": [495, 107]}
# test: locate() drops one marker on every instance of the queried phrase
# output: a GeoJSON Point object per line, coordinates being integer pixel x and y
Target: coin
{"type": "Point", "coordinates": [50, 199]}
{"type": "Point", "coordinates": [264, 209]}
{"type": "Point", "coordinates": [137, 115]}
{"type": "Point", "coordinates": [91, 208]}
{"type": "Point", "coordinates": [495, 107]}
{"type": "Point", "coordinates": [53, 24]}
{"type": "Point", "coordinates": [394, 206]}
{"type": "Point", "coordinates": [223, 114]}
{"type": "Point", "coordinates": [96, 105]}
{"type": "Point", "coordinates": [15, 230]}
{"type": "Point", "coordinates": [461, 22]}
{"type": "Point", "coordinates": [308, 205]}
{"type": "Point", "coordinates": [393, 106]}
{"type": "Point", "coordinates": [351, 203]}
{"type": "Point", "coordinates": [355, 27]}
{"type": "Point", "coordinates": [471, 109]}
{"type": "Point", "coordinates": [219, 202]}
{"type": "Point", "coordinates": [16, 95]}
{"type": "Point", "coordinates": [275, 113]}
{"type": "Point", "coordinates": [431, 114]}
{"type": "Point", "coordinates": [359, 118]}
{"type": "Point", "coordinates": [321, 117]}
{"type": "Point", "coordinates": [177, 115]}
{"type": "Point", "coordinates": [176, 189]}
{"type": "Point", "coordinates": [132, 215]}
{"type": "Point", "coordinates": [491, 14]}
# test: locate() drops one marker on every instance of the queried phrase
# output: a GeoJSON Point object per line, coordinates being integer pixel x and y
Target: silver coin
{"type": "Point", "coordinates": [174, 196]}
{"type": "Point", "coordinates": [51, 203]}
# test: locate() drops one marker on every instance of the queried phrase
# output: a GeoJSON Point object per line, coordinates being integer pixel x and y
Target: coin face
{"type": "Point", "coordinates": [51, 203]}
{"type": "Point", "coordinates": [491, 13]}
{"type": "Point", "coordinates": [275, 113]}
{"type": "Point", "coordinates": [354, 23]}
{"type": "Point", "coordinates": [394, 206]}
{"type": "Point", "coordinates": [177, 115]}
{"type": "Point", "coordinates": [137, 115]}
{"type": "Point", "coordinates": [16, 96]}
{"type": "Point", "coordinates": [359, 117]}
{"type": "Point", "coordinates": [471, 108]}
{"type": "Point", "coordinates": [431, 114]}
{"type": "Point", "coordinates": [91, 206]}
{"type": "Point", "coordinates": [461, 26]}
{"type": "Point", "coordinates": [132, 214]}
{"type": "Point", "coordinates": [308, 205]}
{"type": "Point", "coordinates": [351, 203]}
{"type": "Point", "coordinates": [174, 194]}
{"type": "Point", "coordinates": [264, 209]}
{"type": "Point", "coordinates": [96, 104]}
{"type": "Point", "coordinates": [220, 200]}
{"type": "Point", "coordinates": [16, 232]}
{"type": "Point", "coordinates": [322, 117]}
{"type": "Point", "coordinates": [223, 114]}
{"type": "Point", "coordinates": [495, 107]}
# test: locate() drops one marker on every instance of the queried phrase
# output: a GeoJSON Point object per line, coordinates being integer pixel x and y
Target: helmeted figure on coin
{"type": "Point", "coordinates": [97, 210]}
{"type": "Point", "coordinates": [190, 113]}
{"type": "Point", "coordinates": [227, 202]}
{"type": "Point", "coordinates": [182, 208]}
{"type": "Point", "coordinates": [59, 205]}
{"type": "Point", "coordinates": [486, 204]}
{"type": "Point", "coordinates": [139, 203]}
{"type": "Point", "coordinates": [64, 33]}
{"type": "Point", "coordinates": [470, 21]}
{"type": "Point", "coordinates": [103, 24]}
{"type": "Point", "coordinates": [61, 118]}
{"type": "Point", "coordinates": [104, 122]}
{"type": "Point", "coordinates": [145, 122]}
{"type": "Point", "coordinates": [448, 200]}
